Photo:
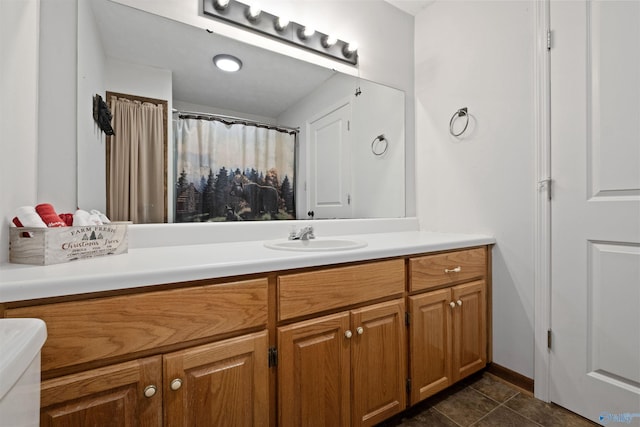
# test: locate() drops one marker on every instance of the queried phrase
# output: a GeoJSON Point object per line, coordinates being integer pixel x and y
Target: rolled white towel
{"type": "Point", "coordinates": [28, 217]}
{"type": "Point", "coordinates": [103, 218]}
{"type": "Point", "coordinates": [82, 217]}
{"type": "Point", "coordinates": [95, 219]}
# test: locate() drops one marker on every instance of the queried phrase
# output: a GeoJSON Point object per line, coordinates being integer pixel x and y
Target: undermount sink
{"type": "Point", "coordinates": [317, 244]}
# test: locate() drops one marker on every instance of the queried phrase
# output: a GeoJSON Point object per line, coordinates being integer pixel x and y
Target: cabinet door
{"type": "Point", "coordinates": [469, 328]}
{"type": "Point", "coordinates": [110, 396]}
{"type": "Point", "coordinates": [314, 372]}
{"type": "Point", "coordinates": [430, 343]}
{"type": "Point", "coordinates": [220, 384]}
{"type": "Point", "coordinates": [378, 350]}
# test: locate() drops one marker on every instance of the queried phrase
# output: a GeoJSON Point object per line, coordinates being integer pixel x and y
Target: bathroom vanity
{"type": "Point", "coordinates": [280, 338]}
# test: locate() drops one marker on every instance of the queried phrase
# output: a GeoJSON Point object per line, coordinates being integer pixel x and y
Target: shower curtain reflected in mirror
{"type": "Point", "coordinates": [233, 171]}
{"type": "Point", "coordinates": [136, 160]}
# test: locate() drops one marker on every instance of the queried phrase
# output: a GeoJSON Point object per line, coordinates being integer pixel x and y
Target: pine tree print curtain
{"type": "Point", "coordinates": [233, 172]}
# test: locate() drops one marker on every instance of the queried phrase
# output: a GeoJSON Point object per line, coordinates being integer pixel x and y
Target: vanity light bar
{"type": "Point", "coordinates": [237, 13]}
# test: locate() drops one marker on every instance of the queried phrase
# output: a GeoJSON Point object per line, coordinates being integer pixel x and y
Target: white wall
{"type": "Point", "coordinates": [377, 110]}
{"type": "Point", "coordinates": [479, 54]}
{"type": "Point", "coordinates": [18, 110]}
{"type": "Point", "coordinates": [57, 105]}
{"type": "Point", "coordinates": [190, 106]}
{"type": "Point", "coordinates": [91, 140]}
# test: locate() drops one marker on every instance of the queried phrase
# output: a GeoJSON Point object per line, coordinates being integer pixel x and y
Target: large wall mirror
{"type": "Point", "coordinates": [350, 133]}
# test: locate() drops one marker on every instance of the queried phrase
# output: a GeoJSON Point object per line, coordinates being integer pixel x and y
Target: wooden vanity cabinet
{"type": "Point", "coordinates": [197, 354]}
{"type": "Point", "coordinates": [378, 362]}
{"type": "Point", "coordinates": [221, 382]}
{"type": "Point", "coordinates": [347, 368]}
{"type": "Point", "coordinates": [343, 369]}
{"type": "Point", "coordinates": [448, 326]}
{"type": "Point", "coordinates": [113, 395]}
{"type": "Point", "coordinates": [314, 372]}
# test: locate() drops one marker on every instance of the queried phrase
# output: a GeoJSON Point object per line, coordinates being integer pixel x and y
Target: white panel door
{"type": "Point", "coordinates": [330, 164]}
{"type": "Point", "coordinates": [595, 140]}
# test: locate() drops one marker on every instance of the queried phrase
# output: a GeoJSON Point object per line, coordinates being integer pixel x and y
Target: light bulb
{"type": "Point", "coordinates": [221, 4]}
{"type": "Point", "coordinates": [308, 32]}
{"type": "Point", "coordinates": [281, 23]}
{"type": "Point", "coordinates": [328, 41]}
{"type": "Point", "coordinates": [349, 49]}
{"type": "Point", "coordinates": [253, 13]}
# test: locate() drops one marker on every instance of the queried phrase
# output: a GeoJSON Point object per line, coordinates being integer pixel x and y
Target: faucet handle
{"type": "Point", "coordinates": [310, 234]}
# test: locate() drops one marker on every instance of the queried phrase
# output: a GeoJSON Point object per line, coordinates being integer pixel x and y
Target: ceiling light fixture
{"type": "Point", "coordinates": [228, 63]}
{"type": "Point", "coordinates": [250, 17]}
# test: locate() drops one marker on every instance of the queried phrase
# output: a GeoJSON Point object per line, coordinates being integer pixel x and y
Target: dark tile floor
{"type": "Point", "coordinates": [484, 400]}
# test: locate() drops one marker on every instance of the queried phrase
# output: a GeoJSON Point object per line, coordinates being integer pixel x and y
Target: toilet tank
{"type": "Point", "coordinates": [20, 344]}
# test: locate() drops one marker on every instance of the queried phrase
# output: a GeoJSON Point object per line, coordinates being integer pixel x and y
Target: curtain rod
{"type": "Point", "coordinates": [230, 120]}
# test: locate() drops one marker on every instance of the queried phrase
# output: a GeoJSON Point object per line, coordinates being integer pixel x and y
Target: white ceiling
{"type": "Point", "coordinates": [267, 84]}
{"type": "Point", "coordinates": [412, 7]}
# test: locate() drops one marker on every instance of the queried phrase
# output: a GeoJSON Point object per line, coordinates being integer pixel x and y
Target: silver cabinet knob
{"type": "Point", "coordinates": [458, 269]}
{"type": "Point", "coordinates": [150, 391]}
{"type": "Point", "coordinates": [360, 330]}
{"type": "Point", "coordinates": [459, 302]}
{"type": "Point", "coordinates": [176, 384]}
{"type": "Point", "coordinates": [452, 304]}
{"type": "Point", "coordinates": [348, 333]}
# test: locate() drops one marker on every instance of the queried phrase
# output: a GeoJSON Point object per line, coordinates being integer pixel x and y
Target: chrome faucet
{"type": "Point", "coordinates": [305, 233]}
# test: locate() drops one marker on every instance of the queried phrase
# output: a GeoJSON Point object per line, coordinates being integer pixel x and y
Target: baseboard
{"type": "Point", "coordinates": [510, 376]}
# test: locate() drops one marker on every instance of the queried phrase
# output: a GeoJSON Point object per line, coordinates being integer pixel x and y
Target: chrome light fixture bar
{"type": "Point", "coordinates": [245, 16]}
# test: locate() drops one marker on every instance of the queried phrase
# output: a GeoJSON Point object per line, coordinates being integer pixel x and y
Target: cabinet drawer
{"type": "Point", "coordinates": [312, 292]}
{"type": "Point", "coordinates": [447, 268]}
{"type": "Point", "coordinates": [85, 331]}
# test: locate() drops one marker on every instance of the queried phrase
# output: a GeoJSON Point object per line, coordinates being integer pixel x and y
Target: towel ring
{"type": "Point", "coordinates": [460, 113]}
{"type": "Point", "coordinates": [380, 138]}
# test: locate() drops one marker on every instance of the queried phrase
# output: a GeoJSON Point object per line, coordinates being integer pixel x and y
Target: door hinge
{"type": "Point", "coordinates": [407, 318]}
{"type": "Point", "coordinates": [549, 40]}
{"type": "Point", "coordinates": [348, 199]}
{"type": "Point", "coordinates": [408, 386]}
{"type": "Point", "coordinates": [273, 357]}
{"type": "Point", "coordinates": [545, 184]}
{"type": "Point", "coordinates": [549, 339]}
{"type": "Point", "coordinates": [348, 125]}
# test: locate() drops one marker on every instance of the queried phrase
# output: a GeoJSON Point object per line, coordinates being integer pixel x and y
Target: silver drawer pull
{"type": "Point", "coordinates": [458, 269]}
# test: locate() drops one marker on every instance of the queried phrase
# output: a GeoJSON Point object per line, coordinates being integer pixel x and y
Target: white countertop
{"type": "Point", "coordinates": [159, 265]}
